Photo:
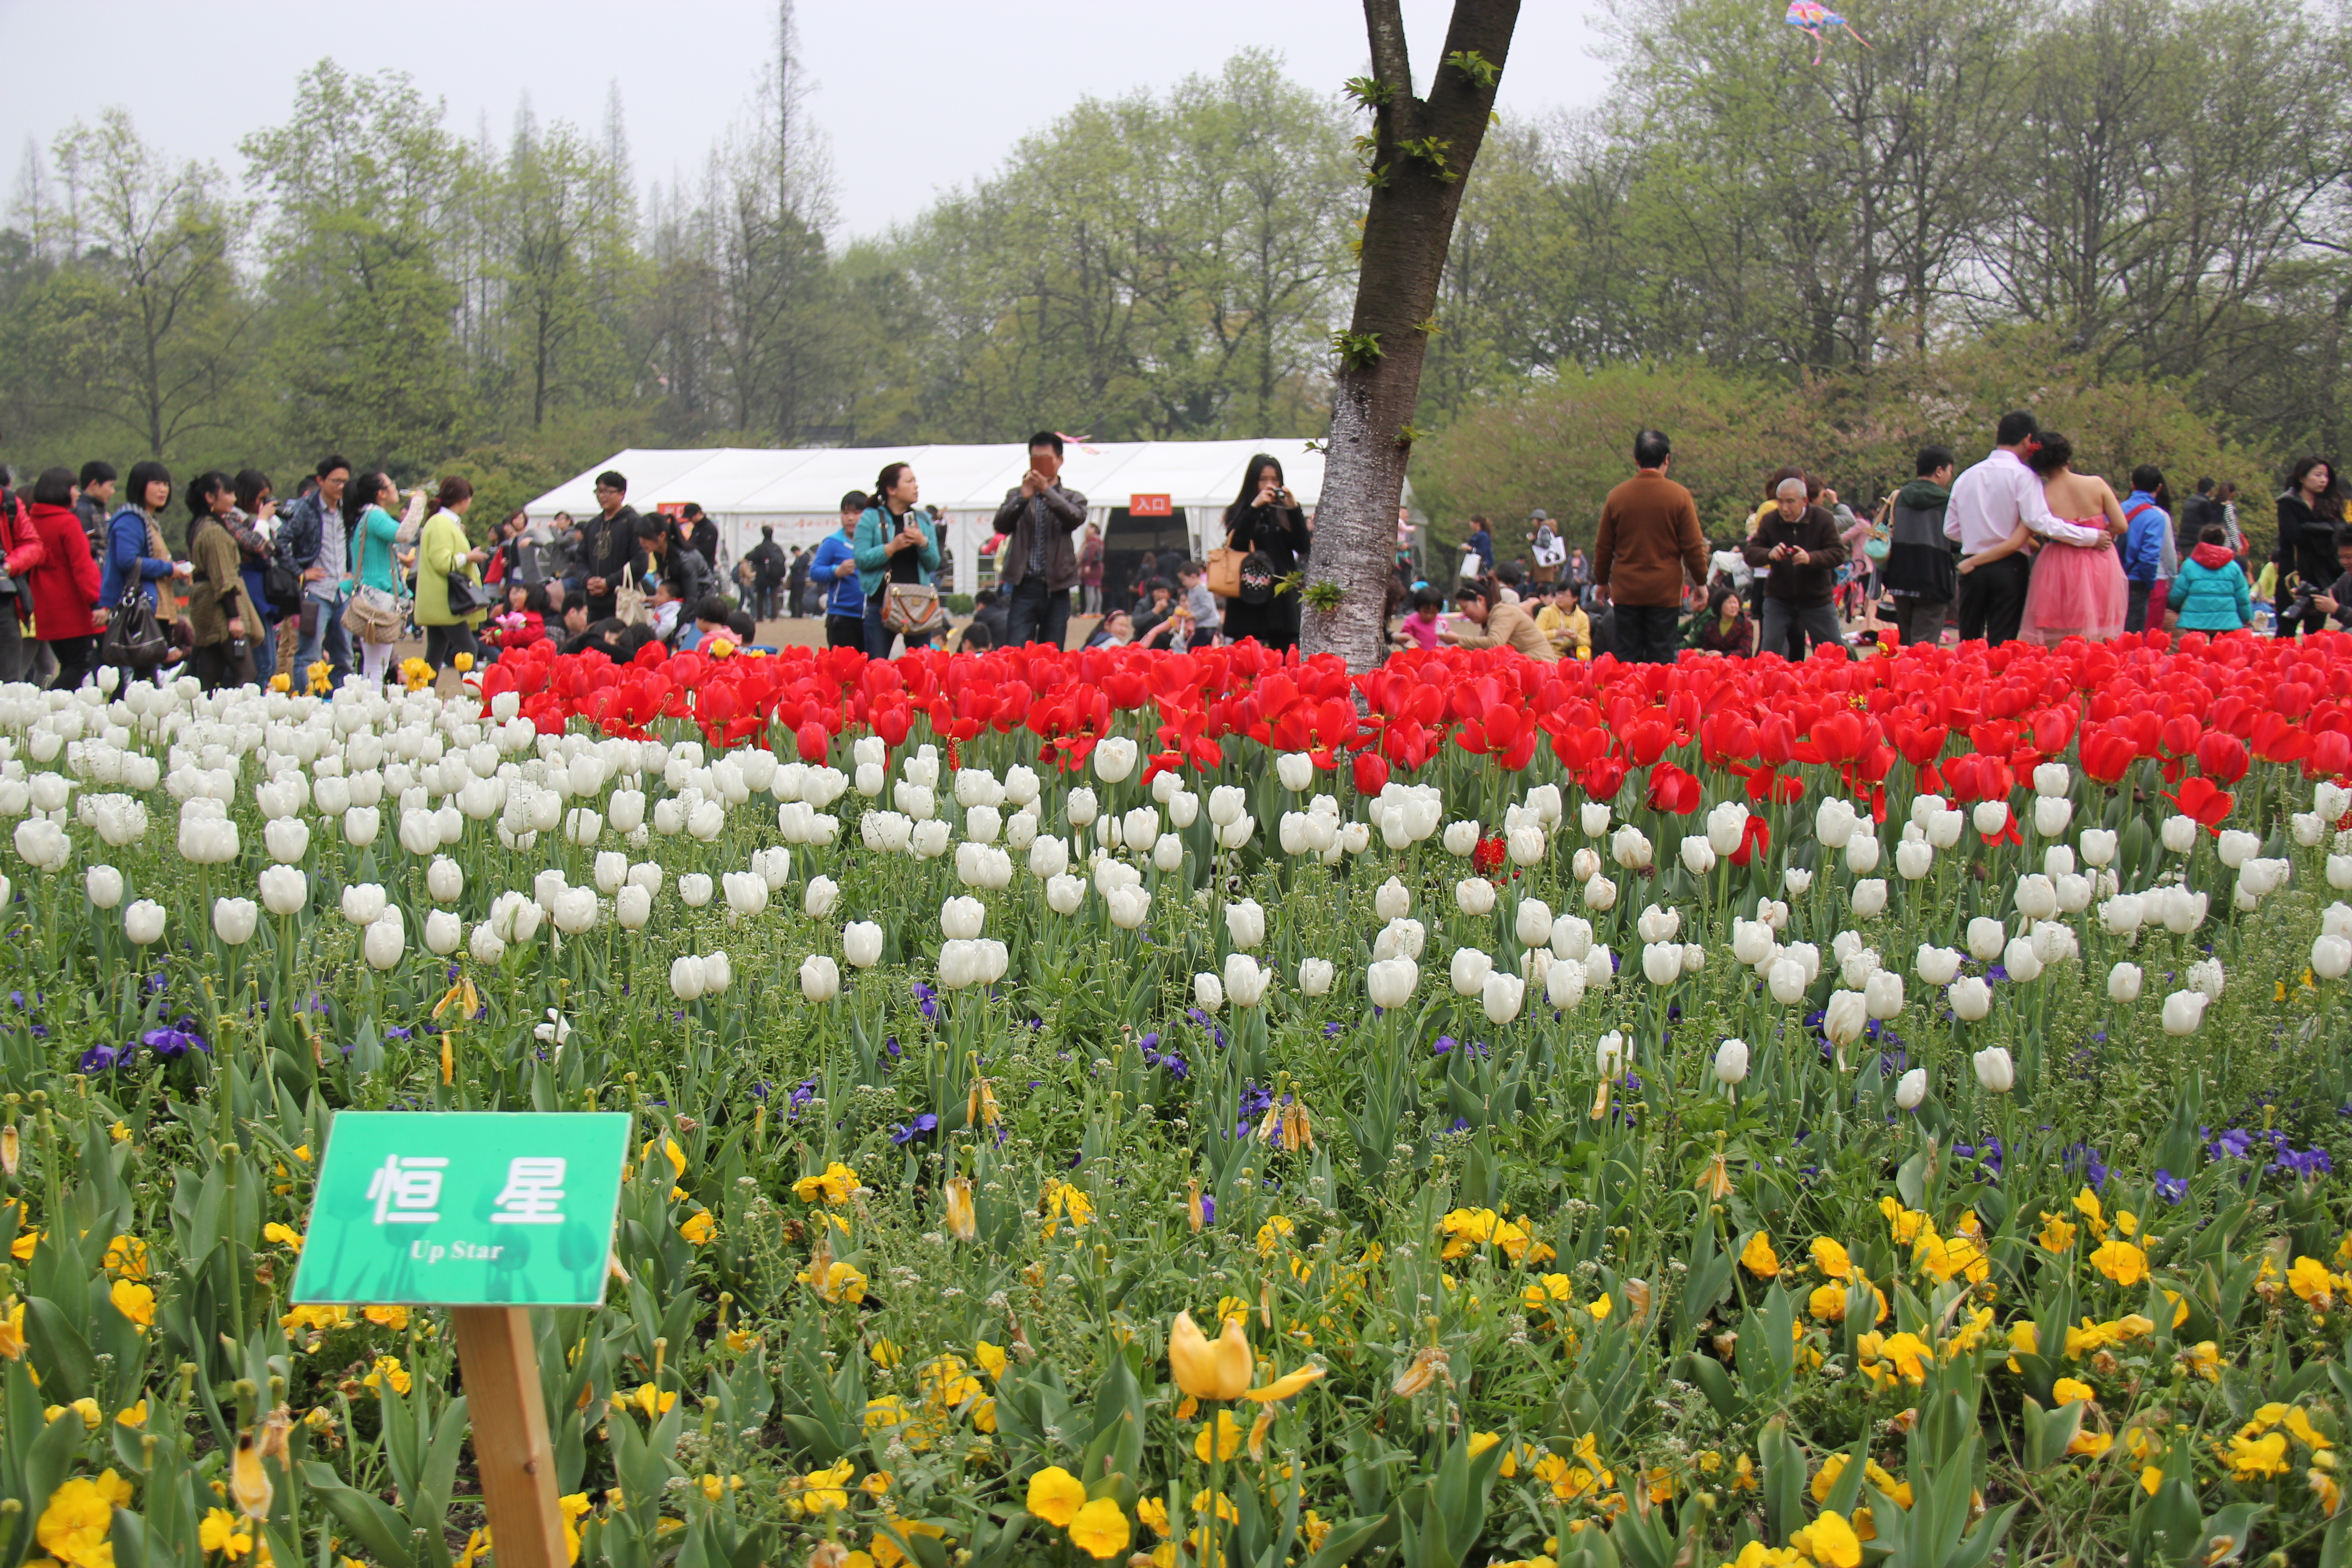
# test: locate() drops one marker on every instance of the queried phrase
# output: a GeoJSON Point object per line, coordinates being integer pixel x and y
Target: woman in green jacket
{"type": "Point", "coordinates": [442, 550]}
{"type": "Point", "coordinates": [895, 544]}
{"type": "Point", "coordinates": [375, 613]}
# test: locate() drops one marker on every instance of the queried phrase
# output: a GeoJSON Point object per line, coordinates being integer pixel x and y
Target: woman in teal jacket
{"type": "Point", "coordinates": [895, 544]}
{"type": "Point", "coordinates": [2211, 593]}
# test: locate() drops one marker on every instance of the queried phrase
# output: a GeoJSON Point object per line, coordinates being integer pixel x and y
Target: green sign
{"type": "Point", "coordinates": [488, 1208]}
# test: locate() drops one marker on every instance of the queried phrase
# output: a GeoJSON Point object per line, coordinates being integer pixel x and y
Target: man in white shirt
{"type": "Point", "coordinates": [1988, 503]}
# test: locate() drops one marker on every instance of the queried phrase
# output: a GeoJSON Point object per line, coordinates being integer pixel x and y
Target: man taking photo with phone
{"type": "Point", "coordinates": [1039, 518]}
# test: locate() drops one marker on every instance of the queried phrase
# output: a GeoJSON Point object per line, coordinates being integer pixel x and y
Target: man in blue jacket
{"type": "Point", "coordinates": [318, 543]}
{"type": "Point", "coordinates": [2150, 527]}
{"type": "Point", "coordinates": [836, 569]}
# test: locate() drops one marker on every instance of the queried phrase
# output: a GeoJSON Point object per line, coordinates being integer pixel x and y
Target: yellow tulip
{"type": "Point", "coordinates": [1209, 1371]}
{"type": "Point", "coordinates": [1284, 1387]}
{"type": "Point", "coordinates": [961, 1223]}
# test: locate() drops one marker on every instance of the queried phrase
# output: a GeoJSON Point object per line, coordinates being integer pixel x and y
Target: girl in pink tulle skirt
{"type": "Point", "coordinates": [2077, 589]}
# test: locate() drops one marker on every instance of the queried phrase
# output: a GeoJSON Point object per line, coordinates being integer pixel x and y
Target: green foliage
{"type": "Point", "coordinates": [1563, 445]}
{"type": "Point", "coordinates": [1357, 350]}
{"type": "Point", "coordinates": [1476, 65]}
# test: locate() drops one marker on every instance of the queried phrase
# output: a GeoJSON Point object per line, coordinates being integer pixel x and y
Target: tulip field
{"type": "Point", "coordinates": [1194, 1109]}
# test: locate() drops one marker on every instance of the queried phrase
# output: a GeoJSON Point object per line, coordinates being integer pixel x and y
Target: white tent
{"type": "Point", "coordinates": [798, 492]}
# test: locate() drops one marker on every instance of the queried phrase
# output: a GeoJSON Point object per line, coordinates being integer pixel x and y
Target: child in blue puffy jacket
{"type": "Point", "coordinates": [2211, 593]}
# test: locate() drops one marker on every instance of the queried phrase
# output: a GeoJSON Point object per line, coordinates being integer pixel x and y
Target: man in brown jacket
{"type": "Point", "coordinates": [1798, 545]}
{"type": "Point", "coordinates": [1500, 624]}
{"type": "Point", "coordinates": [1649, 540]}
{"type": "Point", "coordinates": [1041, 564]}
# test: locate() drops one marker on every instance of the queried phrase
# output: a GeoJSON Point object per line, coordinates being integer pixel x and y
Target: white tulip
{"type": "Point", "coordinates": [1971, 999]}
{"type": "Point", "coordinates": [383, 941]}
{"type": "Point", "coordinates": [685, 977]}
{"type": "Point", "coordinates": [363, 903]}
{"type": "Point", "coordinates": [1064, 894]}
{"type": "Point", "coordinates": [961, 917]}
{"type": "Point", "coordinates": [1227, 804]}
{"type": "Point", "coordinates": [1726, 825]}
{"type": "Point", "coordinates": [1631, 849]}
{"type": "Point", "coordinates": [575, 910]}
{"type": "Point", "coordinates": [2178, 834]}
{"type": "Point", "coordinates": [1937, 964]}
{"type": "Point", "coordinates": [869, 778]}
{"type": "Point", "coordinates": [1693, 957]}
{"type": "Point", "coordinates": [1662, 962]}
{"type": "Point", "coordinates": [1129, 907]}
{"type": "Point", "coordinates": [746, 893]}
{"type": "Point", "coordinates": [1525, 845]}
{"type": "Point", "coordinates": [1773, 914]}
{"type": "Point", "coordinates": [1564, 986]}
{"type": "Point", "coordinates": [360, 826]}
{"type": "Point", "coordinates": [1583, 866]}
{"type": "Point", "coordinates": [1390, 982]}
{"type": "Point", "coordinates": [718, 974]}
{"type": "Point", "coordinates": [820, 978]}
{"type": "Point", "coordinates": [287, 839]}
{"type": "Point", "coordinates": [1599, 970]}
{"type": "Point", "coordinates": [2037, 898]}
{"type": "Point", "coordinates": [2206, 975]}
{"type": "Point", "coordinates": [1796, 881]}
{"type": "Point", "coordinates": [284, 890]}
{"type": "Point", "coordinates": [2098, 845]}
{"type": "Point", "coordinates": [1470, 968]}
{"type": "Point", "coordinates": [1731, 1063]}
{"type": "Point", "coordinates": [2050, 816]}
{"type": "Point", "coordinates": [2234, 849]}
{"type": "Point", "coordinates": [694, 889]}
{"type": "Point", "coordinates": [236, 920]}
{"type": "Point", "coordinates": [2123, 982]}
{"type": "Point", "coordinates": [607, 871]}
{"type": "Point", "coordinates": [1987, 937]}
{"type": "Point", "coordinates": [1609, 1055]}
{"type": "Point", "coordinates": [1834, 821]}
{"type": "Point", "coordinates": [1697, 854]}
{"type": "Point", "coordinates": [1167, 855]}
{"type": "Point", "coordinates": [817, 897]}
{"type": "Point", "coordinates": [1571, 937]}
{"type": "Point", "coordinates": [1911, 1088]}
{"type": "Point", "coordinates": [1995, 1072]}
{"type": "Point", "coordinates": [1114, 759]}
{"type": "Point", "coordinates": [2184, 910]}
{"type": "Point", "coordinates": [2073, 892]}
{"type": "Point", "coordinates": [2339, 872]}
{"type": "Point", "coordinates": [583, 826]}
{"type": "Point", "coordinates": [443, 933]}
{"type": "Point", "coordinates": [1048, 858]}
{"type": "Point", "coordinates": [1869, 897]}
{"type": "Point", "coordinates": [1882, 995]}
{"type": "Point", "coordinates": [1751, 943]}
{"type": "Point", "coordinates": [2331, 957]}
{"type": "Point", "coordinates": [1990, 816]}
{"type": "Point", "coordinates": [484, 943]}
{"type": "Point", "coordinates": [1475, 897]}
{"type": "Point", "coordinates": [1914, 859]}
{"type": "Point", "coordinates": [1296, 770]}
{"type": "Point", "coordinates": [1246, 980]}
{"type": "Point", "coordinates": [1390, 899]}
{"type": "Point", "coordinates": [633, 907]}
{"type": "Point", "coordinates": [1183, 806]}
{"type": "Point", "coordinates": [1786, 981]}
{"type": "Point", "coordinates": [2023, 964]}
{"type": "Point", "coordinates": [1844, 1019]}
{"type": "Point", "coordinates": [1245, 924]}
{"type": "Point", "coordinates": [1208, 992]}
{"type": "Point", "coordinates": [103, 885]}
{"type": "Point", "coordinates": [1862, 853]}
{"type": "Point", "coordinates": [1532, 922]}
{"type": "Point", "coordinates": [1501, 997]}
{"type": "Point", "coordinates": [1236, 834]}
{"type": "Point", "coordinates": [2184, 1011]}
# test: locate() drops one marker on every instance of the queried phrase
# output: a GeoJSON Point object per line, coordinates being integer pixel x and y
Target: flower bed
{"type": "Point", "coordinates": [1087, 1104]}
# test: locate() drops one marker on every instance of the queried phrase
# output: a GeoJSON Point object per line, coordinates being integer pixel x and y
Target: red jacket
{"type": "Point", "coordinates": [66, 583]}
{"type": "Point", "coordinates": [20, 548]}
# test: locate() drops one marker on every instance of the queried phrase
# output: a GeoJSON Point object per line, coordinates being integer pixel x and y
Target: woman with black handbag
{"type": "Point", "coordinates": [221, 616]}
{"type": "Point", "coordinates": [1267, 525]}
{"type": "Point", "coordinates": [450, 599]}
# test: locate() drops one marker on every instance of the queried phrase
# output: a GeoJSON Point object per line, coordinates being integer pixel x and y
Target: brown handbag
{"type": "Point", "coordinates": [913, 609]}
{"type": "Point", "coordinates": [1225, 572]}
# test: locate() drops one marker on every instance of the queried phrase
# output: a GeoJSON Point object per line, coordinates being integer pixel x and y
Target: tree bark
{"type": "Point", "coordinates": [1421, 150]}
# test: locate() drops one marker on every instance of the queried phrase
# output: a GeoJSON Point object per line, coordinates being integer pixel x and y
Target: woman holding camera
{"type": "Point", "coordinates": [1265, 521]}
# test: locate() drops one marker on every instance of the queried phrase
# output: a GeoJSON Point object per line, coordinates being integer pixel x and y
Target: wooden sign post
{"type": "Point", "coordinates": [489, 1214]}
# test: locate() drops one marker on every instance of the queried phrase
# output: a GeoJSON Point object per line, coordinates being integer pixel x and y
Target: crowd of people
{"type": "Point", "coordinates": [2020, 545]}
{"type": "Point", "coordinates": [331, 583]}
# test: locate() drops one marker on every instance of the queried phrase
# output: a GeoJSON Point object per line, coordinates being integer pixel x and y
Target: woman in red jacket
{"type": "Point", "coordinates": [64, 585]}
{"type": "Point", "coordinates": [20, 553]}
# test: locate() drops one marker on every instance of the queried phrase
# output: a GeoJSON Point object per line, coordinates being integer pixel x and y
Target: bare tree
{"type": "Point", "coordinates": [1419, 153]}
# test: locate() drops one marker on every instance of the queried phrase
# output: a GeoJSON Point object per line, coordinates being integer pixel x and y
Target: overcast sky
{"type": "Point", "coordinates": [914, 96]}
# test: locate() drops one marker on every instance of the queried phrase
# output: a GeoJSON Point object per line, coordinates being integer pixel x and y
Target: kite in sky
{"type": "Point", "coordinates": [1813, 18]}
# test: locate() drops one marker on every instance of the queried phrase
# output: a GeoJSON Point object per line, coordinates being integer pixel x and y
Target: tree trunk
{"type": "Point", "coordinates": [1421, 151]}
